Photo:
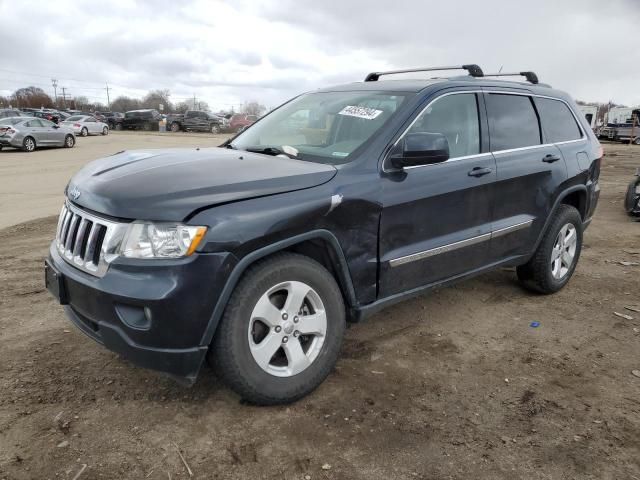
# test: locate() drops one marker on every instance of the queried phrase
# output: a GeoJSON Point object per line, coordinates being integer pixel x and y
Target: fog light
{"type": "Point", "coordinates": [135, 317]}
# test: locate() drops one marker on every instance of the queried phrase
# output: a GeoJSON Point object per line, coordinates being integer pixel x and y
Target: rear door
{"type": "Point", "coordinates": [529, 173]}
{"type": "Point", "coordinates": [37, 130]}
{"type": "Point", "coordinates": [436, 219]}
{"type": "Point", "coordinates": [560, 127]}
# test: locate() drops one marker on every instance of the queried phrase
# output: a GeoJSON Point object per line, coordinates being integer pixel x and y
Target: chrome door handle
{"type": "Point", "coordinates": [479, 171]}
{"type": "Point", "coordinates": [550, 158]}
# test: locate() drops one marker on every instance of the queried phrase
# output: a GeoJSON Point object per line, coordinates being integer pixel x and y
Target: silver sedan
{"type": "Point", "coordinates": [84, 125]}
{"type": "Point", "coordinates": [29, 133]}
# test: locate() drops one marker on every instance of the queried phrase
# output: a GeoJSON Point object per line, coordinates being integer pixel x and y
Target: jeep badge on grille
{"type": "Point", "coordinates": [74, 193]}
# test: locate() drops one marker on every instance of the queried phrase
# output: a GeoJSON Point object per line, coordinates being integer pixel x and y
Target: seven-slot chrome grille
{"type": "Point", "coordinates": [86, 241]}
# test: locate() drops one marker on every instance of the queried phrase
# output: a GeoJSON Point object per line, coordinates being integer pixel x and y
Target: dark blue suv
{"type": "Point", "coordinates": [335, 205]}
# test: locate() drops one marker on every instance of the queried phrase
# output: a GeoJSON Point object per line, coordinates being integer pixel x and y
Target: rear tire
{"type": "Point", "coordinates": [69, 141]}
{"type": "Point", "coordinates": [175, 127]}
{"type": "Point", "coordinates": [84, 132]}
{"type": "Point", "coordinates": [637, 141]}
{"type": "Point", "coordinates": [258, 318]}
{"type": "Point", "coordinates": [28, 144]}
{"type": "Point", "coordinates": [118, 126]}
{"type": "Point", "coordinates": [555, 260]}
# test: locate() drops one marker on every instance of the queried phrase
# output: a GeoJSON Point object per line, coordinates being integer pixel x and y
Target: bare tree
{"type": "Point", "coordinates": [80, 102]}
{"type": "Point", "coordinates": [253, 108]}
{"type": "Point", "coordinates": [182, 107]}
{"type": "Point", "coordinates": [124, 104]}
{"type": "Point", "coordinates": [31, 97]}
{"type": "Point", "coordinates": [155, 98]}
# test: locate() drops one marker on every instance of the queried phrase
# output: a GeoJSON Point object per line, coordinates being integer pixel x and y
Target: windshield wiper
{"type": "Point", "coordinates": [274, 151]}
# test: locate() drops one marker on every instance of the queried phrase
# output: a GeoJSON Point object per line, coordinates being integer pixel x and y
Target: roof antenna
{"type": "Point", "coordinates": [500, 71]}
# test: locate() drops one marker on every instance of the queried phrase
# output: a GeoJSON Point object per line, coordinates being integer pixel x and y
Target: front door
{"type": "Point", "coordinates": [436, 219]}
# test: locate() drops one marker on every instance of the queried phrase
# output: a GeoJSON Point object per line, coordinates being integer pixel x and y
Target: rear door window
{"type": "Point", "coordinates": [513, 122]}
{"type": "Point", "coordinates": [558, 122]}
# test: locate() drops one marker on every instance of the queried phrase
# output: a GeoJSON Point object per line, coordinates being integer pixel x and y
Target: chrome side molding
{"type": "Point", "coordinates": [457, 245]}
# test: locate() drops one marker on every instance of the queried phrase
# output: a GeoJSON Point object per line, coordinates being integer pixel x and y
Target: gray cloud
{"type": "Point", "coordinates": [227, 53]}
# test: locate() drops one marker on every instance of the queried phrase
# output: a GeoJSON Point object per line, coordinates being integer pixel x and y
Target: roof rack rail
{"type": "Point", "coordinates": [530, 76]}
{"type": "Point", "coordinates": [474, 71]}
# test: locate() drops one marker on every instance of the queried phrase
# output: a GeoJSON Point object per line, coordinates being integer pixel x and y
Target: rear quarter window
{"type": "Point", "coordinates": [513, 122]}
{"type": "Point", "coordinates": [558, 122]}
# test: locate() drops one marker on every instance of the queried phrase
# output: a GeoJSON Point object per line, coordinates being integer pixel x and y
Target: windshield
{"type": "Point", "coordinates": [324, 127]}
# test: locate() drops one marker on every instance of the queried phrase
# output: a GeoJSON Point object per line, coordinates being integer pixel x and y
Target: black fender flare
{"type": "Point", "coordinates": [342, 268]}
{"type": "Point", "coordinates": [561, 196]}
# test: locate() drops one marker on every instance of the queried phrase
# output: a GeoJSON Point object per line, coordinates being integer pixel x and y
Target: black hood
{"type": "Point", "coordinates": [169, 184]}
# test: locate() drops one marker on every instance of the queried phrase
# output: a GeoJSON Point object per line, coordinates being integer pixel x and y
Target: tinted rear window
{"type": "Point", "coordinates": [513, 122]}
{"type": "Point", "coordinates": [558, 122]}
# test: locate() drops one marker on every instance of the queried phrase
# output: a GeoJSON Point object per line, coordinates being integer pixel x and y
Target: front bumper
{"type": "Point", "coordinates": [153, 313]}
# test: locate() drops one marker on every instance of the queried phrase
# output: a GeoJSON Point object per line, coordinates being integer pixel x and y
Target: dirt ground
{"type": "Point", "coordinates": [452, 385]}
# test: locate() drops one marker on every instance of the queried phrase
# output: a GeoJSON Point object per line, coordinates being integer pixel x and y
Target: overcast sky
{"type": "Point", "coordinates": [229, 52]}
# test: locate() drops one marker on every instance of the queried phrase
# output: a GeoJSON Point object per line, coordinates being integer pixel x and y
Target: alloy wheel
{"type": "Point", "coordinates": [564, 251]}
{"type": "Point", "coordinates": [29, 144]}
{"type": "Point", "coordinates": [287, 329]}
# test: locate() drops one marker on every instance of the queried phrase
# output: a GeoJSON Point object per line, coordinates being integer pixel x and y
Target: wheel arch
{"type": "Point", "coordinates": [320, 245]}
{"type": "Point", "coordinates": [575, 196]}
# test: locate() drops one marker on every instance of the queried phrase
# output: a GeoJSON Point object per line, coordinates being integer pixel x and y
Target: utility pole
{"type": "Point", "coordinates": [54, 82]}
{"type": "Point", "coordinates": [634, 119]}
{"type": "Point", "coordinates": [64, 96]}
{"type": "Point", "coordinates": [194, 101]}
{"type": "Point", "coordinates": [108, 101]}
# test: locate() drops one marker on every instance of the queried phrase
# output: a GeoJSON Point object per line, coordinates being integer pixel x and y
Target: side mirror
{"type": "Point", "coordinates": [421, 148]}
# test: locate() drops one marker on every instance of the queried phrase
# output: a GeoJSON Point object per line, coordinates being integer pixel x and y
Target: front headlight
{"type": "Point", "coordinates": [160, 240]}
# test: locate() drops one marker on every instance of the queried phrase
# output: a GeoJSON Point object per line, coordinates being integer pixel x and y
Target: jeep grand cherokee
{"type": "Point", "coordinates": [331, 207]}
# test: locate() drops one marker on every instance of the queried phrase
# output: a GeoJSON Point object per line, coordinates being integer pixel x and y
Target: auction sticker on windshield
{"type": "Point", "coordinates": [360, 112]}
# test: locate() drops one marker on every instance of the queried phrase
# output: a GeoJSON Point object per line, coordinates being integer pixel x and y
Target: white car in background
{"type": "Point", "coordinates": [84, 125]}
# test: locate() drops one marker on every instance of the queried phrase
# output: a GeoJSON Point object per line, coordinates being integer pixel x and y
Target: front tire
{"type": "Point", "coordinates": [215, 129]}
{"type": "Point", "coordinates": [69, 141]}
{"type": "Point", "coordinates": [555, 260]}
{"type": "Point", "coordinates": [105, 131]}
{"type": "Point", "coordinates": [28, 144]}
{"type": "Point", "coordinates": [281, 332]}
{"type": "Point", "coordinates": [84, 132]}
{"type": "Point", "coordinates": [118, 127]}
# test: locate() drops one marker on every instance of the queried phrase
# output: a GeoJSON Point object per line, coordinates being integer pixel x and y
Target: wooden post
{"type": "Point", "coordinates": [634, 119]}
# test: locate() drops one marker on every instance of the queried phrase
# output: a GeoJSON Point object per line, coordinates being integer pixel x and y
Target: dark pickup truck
{"type": "Point", "coordinates": [113, 119]}
{"type": "Point", "coordinates": [141, 120]}
{"type": "Point", "coordinates": [333, 206]}
{"type": "Point", "coordinates": [194, 120]}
